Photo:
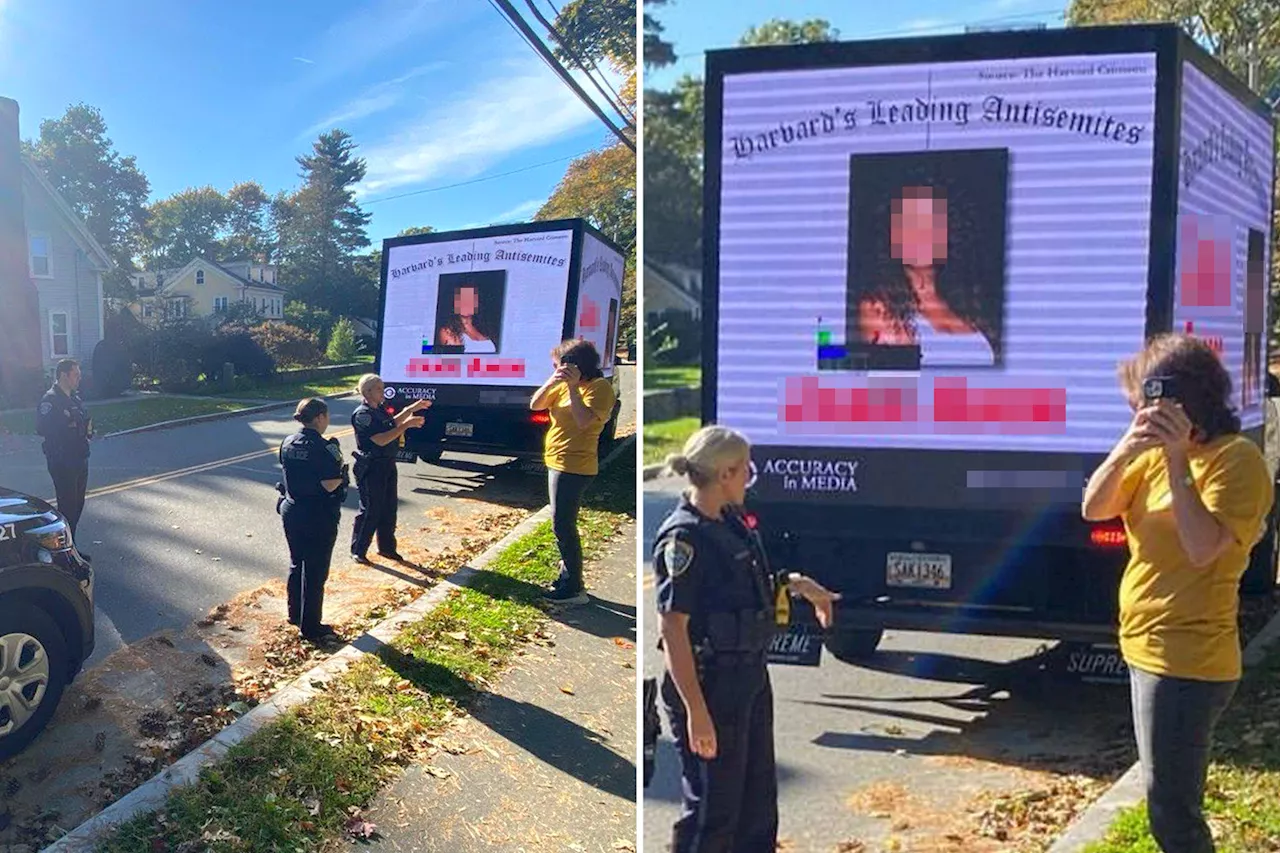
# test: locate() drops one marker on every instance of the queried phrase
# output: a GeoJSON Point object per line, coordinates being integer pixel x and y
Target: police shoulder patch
{"type": "Point", "coordinates": [46, 408]}
{"type": "Point", "coordinates": [335, 451]}
{"type": "Point", "coordinates": [677, 555]}
{"type": "Point", "coordinates": [363, 418]}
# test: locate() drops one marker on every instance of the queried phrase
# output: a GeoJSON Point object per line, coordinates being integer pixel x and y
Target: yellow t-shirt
{"type": "Point", "coordinates": [1178, 619]}
{"type": "Point", "coordinates": [569, 447]}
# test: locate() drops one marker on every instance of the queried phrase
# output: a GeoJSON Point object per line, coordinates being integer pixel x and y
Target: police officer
{"type": "Point", "coordinates": [314, 487]}
{"type": "Point", "coordinates": [66, 426]}
{"type": "Point", "coordinates": [377, 437]}
{"type": "Point", "coordinates": [716, 604]}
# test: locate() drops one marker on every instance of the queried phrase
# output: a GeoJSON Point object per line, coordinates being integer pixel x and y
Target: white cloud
{"type": "Point", "coordinates": [519, 213]}
{"type": "Point", "coordinates": [373, 100]}
{"type": "Point", "coordinates": [522, 107]}
{"type": "Point", "coordinates": [304, 60]}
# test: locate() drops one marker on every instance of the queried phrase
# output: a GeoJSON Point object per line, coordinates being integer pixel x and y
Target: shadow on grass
{"type": "Point", "coordinates": [549, 737]}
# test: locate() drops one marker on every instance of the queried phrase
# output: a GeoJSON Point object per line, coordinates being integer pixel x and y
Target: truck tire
{"type": "Point", "coordinates": [1260, 577]}
{"type": "Point", "coordinates": [853, 645]}
{"type": "Point", "coordinates": [30, 634]}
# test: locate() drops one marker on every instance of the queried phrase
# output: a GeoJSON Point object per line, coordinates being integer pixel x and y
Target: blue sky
{"type": "Point", "coordinates": [436, 92]}
{"type": "Point", "coordinates": [698, 25]}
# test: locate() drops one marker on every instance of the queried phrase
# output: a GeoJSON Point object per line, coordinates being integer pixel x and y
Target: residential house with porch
{"type": "Point", "coordinates": [203, 288]}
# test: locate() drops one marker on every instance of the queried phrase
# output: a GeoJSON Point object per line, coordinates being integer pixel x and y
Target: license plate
{"type": "Point", "coordinates": [460, 430]}
{"type": "Point", "coordinates": [801, 645]}
{"type": "Point", "coordinates": [928, 571]}
{"type": "Point", "coordinates": [406, 456]}
{"type": "Point", "coordinates": [1099, 662]}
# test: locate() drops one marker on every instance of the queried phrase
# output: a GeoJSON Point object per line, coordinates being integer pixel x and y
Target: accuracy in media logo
{"type": "Point", "coordinates": [815, 475]}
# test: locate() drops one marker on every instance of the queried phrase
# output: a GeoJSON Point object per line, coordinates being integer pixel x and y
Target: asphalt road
{"type": "Point", "coordinates": [181, 520]}
{"type": "Point", "coordinates": [907, 744]}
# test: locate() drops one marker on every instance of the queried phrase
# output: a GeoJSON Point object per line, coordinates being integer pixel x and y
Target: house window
{"type": "Point", "coordinates": [177, 308]}
{"type": "Point", "coordinates": [59, 334]}
{"type": "Point", "coordinates": [219, 303]}
{"type": "Point", "coordinates": [41, 262]}
{"type": "Point", "coordinates": [259, 273]}
{"type": "Point", "coordinates": [146, 310]}
{"type": "Point", "coordinates": [199, 276]}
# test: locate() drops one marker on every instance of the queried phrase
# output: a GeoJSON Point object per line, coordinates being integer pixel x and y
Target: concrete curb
{"type": "Point", "coordinates": [1127, 791]}
{"type": "Point", "coordinates": [152, 794]}
{"type": "Point", "coordinates": [217, 416]}
{"type": "Point", "coordinates": [653, 472]}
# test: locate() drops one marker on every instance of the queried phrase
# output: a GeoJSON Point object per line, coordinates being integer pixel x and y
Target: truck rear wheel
{"type": "Point", "coordinates": [853, 645]}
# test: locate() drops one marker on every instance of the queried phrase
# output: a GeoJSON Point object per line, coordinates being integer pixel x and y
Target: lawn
{"type": "Point", "coordinates": [301, 782]}
{"type": "Point", "coordinates": [293, 390]}
{"type": "Point", "coordinates": [664, 437]}
{"type": "Point", "coordinates": [1242, 798]}
{"type": "Point", "coordinates": [128, 414]}
{"type": "Point", "coordinates": [658, 377]}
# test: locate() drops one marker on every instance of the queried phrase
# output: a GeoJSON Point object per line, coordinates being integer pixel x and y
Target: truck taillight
{"type": "Point", "coordinates": [1108, 537]}
{"type": "Point", "coordinates": [541, 417]}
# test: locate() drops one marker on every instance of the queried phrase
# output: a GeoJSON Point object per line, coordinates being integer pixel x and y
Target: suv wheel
{"type": "Point", "coordinates": [33, 673]}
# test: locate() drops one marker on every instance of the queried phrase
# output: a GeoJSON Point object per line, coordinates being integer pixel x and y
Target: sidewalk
{"type": "Point", "coordinates": [547, 762]}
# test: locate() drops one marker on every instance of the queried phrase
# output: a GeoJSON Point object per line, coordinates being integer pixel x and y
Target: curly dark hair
{"type": "Point", "coordinates": [970, 279]}
{"type": "Point", "coordinates": [1204, 385]}
{"type": "Point", "coordinates": [583, 355]}
{"type": "Point", "coordinates": [481, 319]}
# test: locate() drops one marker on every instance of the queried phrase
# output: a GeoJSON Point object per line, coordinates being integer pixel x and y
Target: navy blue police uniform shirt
{"type": "Point", "coordinates": [703, 566]}
{"type": "Point", "coordinates": [368, 421]}
{"type": "Point", "coordinates": [62, 420]}
{"type": "Point", "coordinates": [306, 458]}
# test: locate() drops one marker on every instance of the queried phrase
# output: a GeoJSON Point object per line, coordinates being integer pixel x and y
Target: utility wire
{"type": "Point", "coordinates": [475, 180]}
{"type": "Point", "coordinates": [514, 17]}
{"type": "Point", "coordinates": [624, 111]}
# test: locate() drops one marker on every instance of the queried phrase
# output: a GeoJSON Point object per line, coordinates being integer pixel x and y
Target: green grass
{"type": "Point", "coordinates": [128, 414]}
{"type": "Point", "coordinates": [664, 437]}
{"type": "Point", "coordinates": [293, 390]}
{"type": "Point", "coordinates": [295, 783]}
{"type": "Point", "coordinates": [679, 376]}
{"type": "Point", "coordinates": [1242, 797]}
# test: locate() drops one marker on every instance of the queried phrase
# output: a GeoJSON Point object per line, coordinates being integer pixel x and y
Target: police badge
{"type": "Point", "coordinates": [677, 555]}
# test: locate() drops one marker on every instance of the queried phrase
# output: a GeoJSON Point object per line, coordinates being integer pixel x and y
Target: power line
{"type": "Point", "coordinates": [624, 111]}
{"type": "Point", "coordinates": [530, 36]}
{"type": "Point", "coordinates": [476, 180]}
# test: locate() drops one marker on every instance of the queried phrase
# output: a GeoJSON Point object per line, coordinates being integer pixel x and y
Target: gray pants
{"type": "Point", "coordinates": [1173, 720]}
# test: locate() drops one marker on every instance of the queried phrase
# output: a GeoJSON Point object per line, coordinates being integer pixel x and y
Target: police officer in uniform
{"type": "Point", "coordinates": [716, 604]}
{"type": "Point", "coordinates": [314, 487]}
{"type": "Point", "coordinates": [377, 439]}
{"type": "Point", "coordinates": [62, 420]}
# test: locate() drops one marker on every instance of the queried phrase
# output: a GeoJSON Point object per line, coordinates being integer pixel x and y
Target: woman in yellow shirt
{"type": "Point", "coordinates": [1194, 495]}
{"type": "Point", "coordinates": [580, 401]}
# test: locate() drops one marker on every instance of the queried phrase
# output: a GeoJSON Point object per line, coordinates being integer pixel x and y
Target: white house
{"type": "Point", "coordinates": [202, 288]}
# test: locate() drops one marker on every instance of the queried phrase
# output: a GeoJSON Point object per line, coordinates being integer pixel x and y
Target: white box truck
{"type": "Point", "coordinates": [468, 320]}
{"type": "Point", "coordinates": [925, 259]}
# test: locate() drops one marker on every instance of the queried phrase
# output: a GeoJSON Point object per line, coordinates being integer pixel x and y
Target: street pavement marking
{"type": "Point", "coordinates": [194, 469]}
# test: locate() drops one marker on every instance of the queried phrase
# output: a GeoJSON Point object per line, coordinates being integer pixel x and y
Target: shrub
{"type": "Point", "coordinates": [173, 354]}
{"type": "Point", "coordinates": [672, 337]}
{"type": "Point", "coordinates": [112, 368]}
{"type": "Point", "coordinates": [343, 347]}
{"type": "Point", "coordinates": [288, 345]}
{"type": "Point", "coordinates": [236, 345]}
{"type": "Point", "coordinates": [237, 314]}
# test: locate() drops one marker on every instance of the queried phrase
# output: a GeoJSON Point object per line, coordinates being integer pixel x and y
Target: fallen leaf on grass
{"type": "Point", "coordinates": [239, 708]}
{"type": "Point", "coordinates": [313, 807]}
{"type": "Point", "coordinates": [460, 636]}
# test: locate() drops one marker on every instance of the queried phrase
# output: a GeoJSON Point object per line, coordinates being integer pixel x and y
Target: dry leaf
{"type": "Point", "coordinates": [566, 689]}
{"type": "Point", "coordinates": [438, 772]}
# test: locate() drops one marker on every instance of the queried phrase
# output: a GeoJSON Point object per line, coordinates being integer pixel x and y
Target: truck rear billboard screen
{"type": "Point", "coordinates": [935, 256]}
{"type": "Point", "coordinates": [483, 311]}
{"type": "Point", "coordinates": [599, 298]}
{"type": "Point", "coordinates": [1225, 169]}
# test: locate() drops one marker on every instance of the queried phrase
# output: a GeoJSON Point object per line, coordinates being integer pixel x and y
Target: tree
{"type": "Point", "coordinates": [106, 190]}
{"type": "Point", "coordinates": [601, 186]}
{"type": "Point", "coordinates": [658, 53]}
{"type": "Point", "coordinates": [248, 237]}
{"type": "Point", "coordinates": [238, 314]}
{"type": "Point", "coordinates": [343, 346]}
{"type": "Point", "coordinates": [186, 225]}
{"type": "Point", "coordinates": [320, 227]}
{"type": "Point", "coordinates": [317, 321]}
{"type": "Point", "coordinates": [1242, 34]}
{"type": "Point", "coordinates": [416, 230]}
{"type": "Point", "coordinates": [673, 148]}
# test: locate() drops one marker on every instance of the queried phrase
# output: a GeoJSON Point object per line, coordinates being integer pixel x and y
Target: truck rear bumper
{"type": "Point", "coordinates": [962, 620]}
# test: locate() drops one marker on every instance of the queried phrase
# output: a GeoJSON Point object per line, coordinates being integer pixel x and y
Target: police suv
{"type": "Point", "coordinates": [46, 616]}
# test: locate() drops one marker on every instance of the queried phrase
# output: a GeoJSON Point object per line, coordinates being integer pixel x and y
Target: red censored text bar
{"type": "Point", "coordinates": [505, 368]}
{"type": "Point", "coordinates": [895, 406]}
{"type": "Point", "coordinates": [436, 367]}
